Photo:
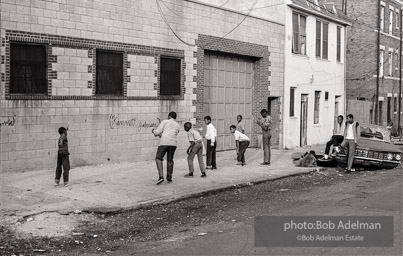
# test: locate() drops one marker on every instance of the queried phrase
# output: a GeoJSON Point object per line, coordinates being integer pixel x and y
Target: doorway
{"type": "Point", "coordinates": [304, 117]}
{"type": "Point", "coordinates": [273, 107]}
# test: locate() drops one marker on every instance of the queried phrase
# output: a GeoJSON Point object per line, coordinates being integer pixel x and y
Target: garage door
{"type": "Point", "coordinates": [228, 83]}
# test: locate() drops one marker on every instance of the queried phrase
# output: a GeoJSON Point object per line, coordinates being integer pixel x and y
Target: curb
{"type": "Point", "coordinates": [147, 204]}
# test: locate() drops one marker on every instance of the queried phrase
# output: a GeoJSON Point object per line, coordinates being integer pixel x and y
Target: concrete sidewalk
{"type": "Point", "coordinates": [130, 185]}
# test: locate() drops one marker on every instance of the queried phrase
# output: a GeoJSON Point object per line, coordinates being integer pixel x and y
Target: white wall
{"type": "Point", "coordinates": [328, 75]}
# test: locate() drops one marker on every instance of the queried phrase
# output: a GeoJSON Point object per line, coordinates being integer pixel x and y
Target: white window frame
{"type": "Point", "coordinates": [339, 47]}
{"type": "Point", "coordinates": [390, 62]}
{"type": "Point", "coordinates": [391, 11]}
{"type": "Point", "coordinates": [322, 39]}
{"type": "Point", "coordinates": [302, 46]}
{"type": "Point", "coordinates": [396, 60]}
{"type": "Point", "coordinates": [382, 18]}
{"type": "Point", "coordinates": [381, 54]}
{"type": "Point", "coordinates": [397, 18]}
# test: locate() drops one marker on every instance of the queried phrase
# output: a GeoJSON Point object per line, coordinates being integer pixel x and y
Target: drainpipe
{"type": "Point", "coordinates": [400, 74]}
{"type": "Point", "coordinates": [377, 65]}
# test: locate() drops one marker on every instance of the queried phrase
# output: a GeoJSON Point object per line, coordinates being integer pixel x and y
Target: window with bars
{"type": "Point", "coordinates": [299, 34]}
{"type": "Point", "coordinates": [170, 77]}
{"type": "Point", "coordinates": [316, 108]}
{"type": "Point", "coordinates": [322, 39]}
{"type": "Point", "coordinates": [109, 73]}
{"type": "Point", "coordinates": [28, 69]}
{"type": "Point", "coordinates": [292, 101]}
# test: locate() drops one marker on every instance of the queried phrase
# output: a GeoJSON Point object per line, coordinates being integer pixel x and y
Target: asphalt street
{"type": "Point", "coordinates": [370, 194]}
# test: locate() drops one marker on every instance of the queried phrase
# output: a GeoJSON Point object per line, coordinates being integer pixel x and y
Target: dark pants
{"type": "Point", "coordinates": [159, 158]}
{"type": "Point", "coordinates": [197, 149]}
{"type": "Point", "coordinates": [266, 146]}
{"type": "Point", "coordinates": [335, 141]}
{"type": "Point", "coordinates": [350, 146]}
{"type": "Point", "coordinates": [62, 160]}
{"type": "Point", "coordinates": [243, 145]}
{"type": "Point", "coordinates": [211, 154]}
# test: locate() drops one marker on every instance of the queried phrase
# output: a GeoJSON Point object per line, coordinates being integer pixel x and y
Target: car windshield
{"type": "Point", "coordinates": [375, 132]}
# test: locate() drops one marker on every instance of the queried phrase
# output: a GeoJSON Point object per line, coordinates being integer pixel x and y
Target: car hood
{"type": "Point", "coordinates": [377, 145]}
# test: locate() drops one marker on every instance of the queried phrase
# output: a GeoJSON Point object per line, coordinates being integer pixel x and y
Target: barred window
{"type": "Point", "coordinates": [28, 69]}
{"type": "Point", "coordinates": [170, 77]}
{"type": "Point", "coordinates": [109, 73]}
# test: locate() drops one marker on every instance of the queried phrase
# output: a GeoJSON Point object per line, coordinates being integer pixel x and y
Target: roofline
{"type": "Point", "coordinates": [338, 20]}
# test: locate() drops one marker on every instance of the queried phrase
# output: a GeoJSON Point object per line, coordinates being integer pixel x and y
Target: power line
{"type": "Point", "coordinates": [193, 45]}
{"type": "Point", "coordinates": [169, 26]}
{"type": "Point", "coordinates": [202, 17]}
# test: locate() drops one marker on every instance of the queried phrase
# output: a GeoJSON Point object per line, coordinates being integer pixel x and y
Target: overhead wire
{"type": "Point", "coordinates": [201, 17]}
{"type": "Point", "coordinates": [219, 38]}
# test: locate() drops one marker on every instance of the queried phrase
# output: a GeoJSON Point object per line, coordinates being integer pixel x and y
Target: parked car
{"type": "Point", "coordinates": [374, 149]}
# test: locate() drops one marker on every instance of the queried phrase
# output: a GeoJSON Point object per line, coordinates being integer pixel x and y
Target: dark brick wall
{"type": "Point", "coordinates": [362, 51]}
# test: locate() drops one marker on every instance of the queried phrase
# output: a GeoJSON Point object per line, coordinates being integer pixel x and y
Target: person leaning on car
{"type": "Point", "coordinates": [351, 137]}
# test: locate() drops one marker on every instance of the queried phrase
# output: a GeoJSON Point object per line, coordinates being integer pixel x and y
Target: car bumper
{"type": "Point", "coordinates": [364, 161]}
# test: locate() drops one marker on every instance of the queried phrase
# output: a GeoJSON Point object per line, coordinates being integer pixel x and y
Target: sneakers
{"type": "Point", "coordinates": [209, 167]}
{"type": "Point", "coordinates": [56, 183]}
{"type": "Point", "coordinates": [66, 184]}
{"type": "Point", "coordinates": [203, 175]}
{"type": "Point", "coordinates": [189, 175]}
{"type": "Point", "coordinates": [265, 163]}
{"type": "Point", "coordinates": [160, 180]}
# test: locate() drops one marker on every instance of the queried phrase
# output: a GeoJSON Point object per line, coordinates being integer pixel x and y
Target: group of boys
{"type": "Point", "coordinates": [168, 131]}
{"type": "Point", "coordinates": [345, 135]}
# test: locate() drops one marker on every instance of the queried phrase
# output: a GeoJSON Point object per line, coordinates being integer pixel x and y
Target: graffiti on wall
{"type": "Point", "coordinates": [7, 121]}
{"type": "Point", "coordinates": [115, 122]}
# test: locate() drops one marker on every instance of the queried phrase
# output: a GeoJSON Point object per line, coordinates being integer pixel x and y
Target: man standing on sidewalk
{"type": "Point", "coordinates": [351, 137]}
{"type": "Point", "coordinates": [168, 131]}
{"type": "Point", "coordinates": [265, 123]}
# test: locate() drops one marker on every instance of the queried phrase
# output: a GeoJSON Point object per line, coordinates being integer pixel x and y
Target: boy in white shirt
{"type": "Point", "coordinates": [211, 136]}
{"type": "Point", "coordinates": [242, 143]}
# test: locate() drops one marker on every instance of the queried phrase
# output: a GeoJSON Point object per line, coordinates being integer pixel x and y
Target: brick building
{"type": "Point", "coordinates": [363, 53]}
{"type": "Point", "coordinates": [110, 70]}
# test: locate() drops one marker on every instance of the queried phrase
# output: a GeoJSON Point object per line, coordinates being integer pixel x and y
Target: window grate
{"type": "Point", "coordinates": [28, 69]}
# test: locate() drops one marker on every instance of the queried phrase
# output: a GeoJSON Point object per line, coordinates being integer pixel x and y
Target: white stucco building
{"type": "Point", "coordinates": [314, 65]}
{"type": "Point", "coordinates": [314, 82]}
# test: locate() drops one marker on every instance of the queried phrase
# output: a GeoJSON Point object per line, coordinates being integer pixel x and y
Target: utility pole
{"type": "Point", "coordinates": [377, 57]}
{"type": "Point", "coordinates": [400, 74]}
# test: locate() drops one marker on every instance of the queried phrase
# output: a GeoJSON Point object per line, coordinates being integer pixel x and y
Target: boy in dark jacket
{"type": "Point", "coordinates": [63, 158]}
